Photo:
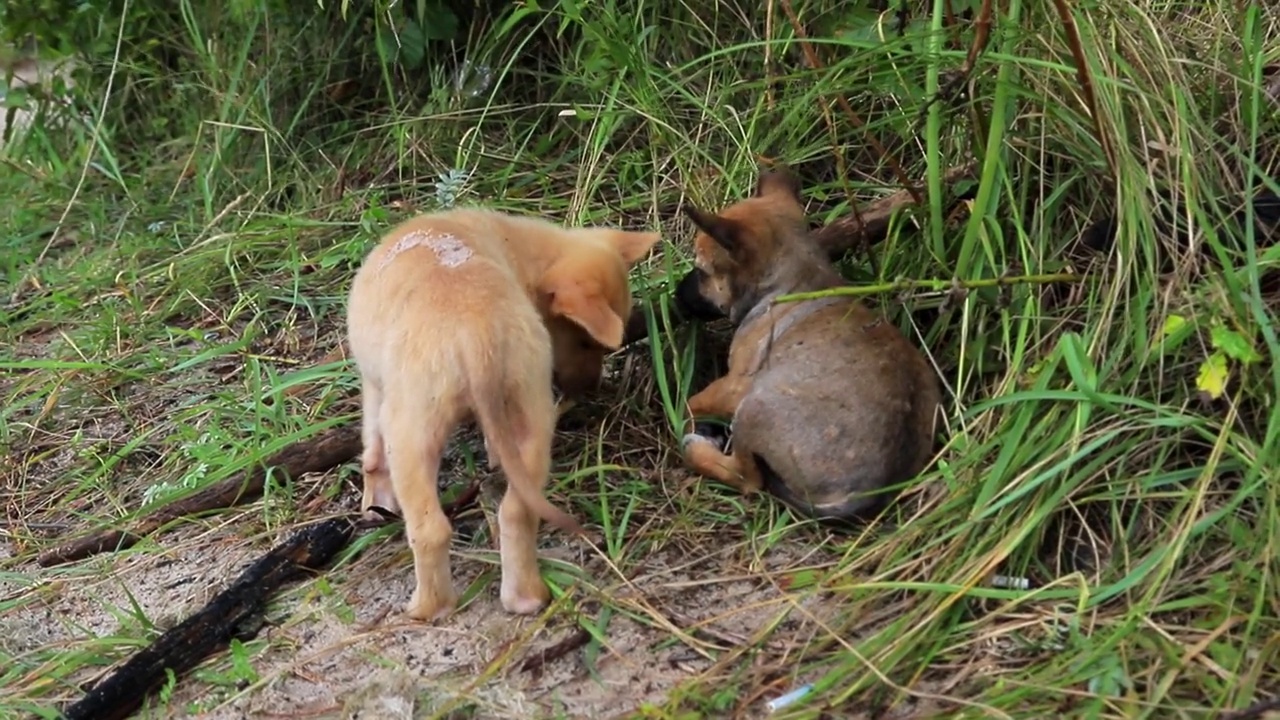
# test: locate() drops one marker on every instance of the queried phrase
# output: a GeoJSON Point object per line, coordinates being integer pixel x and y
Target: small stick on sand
{"type": "Point", "coordinates": [536, 662]}
{"type": "Point", "coordinates": [334, 447]}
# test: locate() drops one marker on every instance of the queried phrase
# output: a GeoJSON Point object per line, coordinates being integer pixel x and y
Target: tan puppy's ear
{"type": "Point", "coordinates": [588, 310]}
{"type": "Point", "coordinates": [633, 246]}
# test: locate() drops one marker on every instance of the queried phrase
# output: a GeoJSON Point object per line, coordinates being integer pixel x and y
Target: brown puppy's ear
{"type": "Point", "coordinates": [588, 310]}
{"type": "Point", "coordinates": [633, 246]}
{"type": "Point", "coordinates": [778, 180]}
{"type": "Point", "coordinates": [723, 230]}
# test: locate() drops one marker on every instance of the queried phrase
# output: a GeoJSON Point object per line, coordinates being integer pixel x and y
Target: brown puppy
{"type": "Point", "coordinates": [829, 403]}
{"type": "Point", "coordinates": [448, 321]}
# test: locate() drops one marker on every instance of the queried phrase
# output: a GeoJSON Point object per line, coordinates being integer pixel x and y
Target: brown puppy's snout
{"type": "Point", "coordinates": [690, 300]}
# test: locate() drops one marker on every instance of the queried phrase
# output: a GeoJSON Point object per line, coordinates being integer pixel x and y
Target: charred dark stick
{"type": "Point", "coordinates": [231, 614]}
{"type": "Point", "coordinates": [334, 447]}
{"type": "Point", "coordinates": [185, 646]}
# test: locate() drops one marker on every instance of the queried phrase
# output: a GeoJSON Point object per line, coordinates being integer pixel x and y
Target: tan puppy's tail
{"type": "Point", "coordinates": [513, 430]}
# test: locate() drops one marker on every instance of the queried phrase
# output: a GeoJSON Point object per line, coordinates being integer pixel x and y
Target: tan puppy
{"type": "Point", "coordinates": [447, 321]}
{"type": "Point", "coordinates": [829, 403]}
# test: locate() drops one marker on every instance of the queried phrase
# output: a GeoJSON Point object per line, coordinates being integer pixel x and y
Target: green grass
{"type": "Point", "coordinates": [207, 230]}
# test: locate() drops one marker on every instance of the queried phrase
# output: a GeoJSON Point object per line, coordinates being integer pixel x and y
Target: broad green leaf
{"type": "Point", "coordinates": [413, 45]}
{"type": "Point", "coordinates": [438, 22]}
{"type": "Point", "coordinates": [1235, 345]}
{"type": "Point", "coordinates": [1174, 325]}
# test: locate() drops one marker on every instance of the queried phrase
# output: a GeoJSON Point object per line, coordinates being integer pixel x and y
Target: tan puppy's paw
{"type": "Point", "coordinates": [377, 516]}
{"type": "Point", "coordinates": [378, 494]}
{"type": "Point", "coordinates": [704, 456]}
{"type": "Point", "coordinates": [525, 596]}
{"type": "Point", "coordinates": [431, 606]}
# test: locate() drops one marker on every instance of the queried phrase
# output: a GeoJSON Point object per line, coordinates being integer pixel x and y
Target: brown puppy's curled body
{"type": "Point", "coordinates": [829, 403]}
{"type": "Point", "coordinates": [448, 320]}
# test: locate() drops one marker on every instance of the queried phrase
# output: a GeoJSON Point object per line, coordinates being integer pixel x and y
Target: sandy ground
{"type": "Point", "coordinates": [342, 649]}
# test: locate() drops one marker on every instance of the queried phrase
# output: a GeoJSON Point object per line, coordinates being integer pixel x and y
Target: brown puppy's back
{"type": "Point", "coordinates": [835, 438]}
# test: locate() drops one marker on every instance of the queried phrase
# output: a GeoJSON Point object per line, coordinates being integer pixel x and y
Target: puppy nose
{"type": "Point", "coordinates": [689, 301]}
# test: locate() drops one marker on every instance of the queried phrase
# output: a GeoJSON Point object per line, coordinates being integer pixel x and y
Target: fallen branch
{"type": "Point", "coordinates": [870, 224]}
{"type": "Point", "coordinates": [231, 614]}
{"type": "Point", "coordinates": [934, 285]}
{"type": "Point", "coordinates": [334, 447]}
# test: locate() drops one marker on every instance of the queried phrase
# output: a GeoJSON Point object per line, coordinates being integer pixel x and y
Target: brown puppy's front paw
{"type": "Point", "coordinates": [564, 405]}
{"type": "Point", "coordinates": [690, 440]}
{"type": "Point", "coordinates": [704, 456]}
{"type": "Point", "coordinates": [431, 606]}
{"type": "Point", "coordinates": [525, 597]}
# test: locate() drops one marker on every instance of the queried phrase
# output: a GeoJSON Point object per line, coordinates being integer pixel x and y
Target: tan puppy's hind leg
{"type": "Point", "coordinates": [415, 443]}
{"type": "Point", "coordinates": [563, 406]}
{"type": "Point", "coordinates": [525, 449]}
{"type": "Point", "coordinates": [373, 461]}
